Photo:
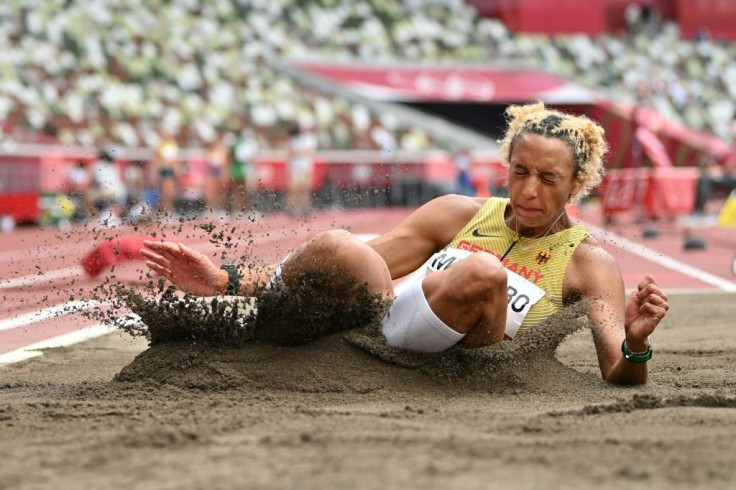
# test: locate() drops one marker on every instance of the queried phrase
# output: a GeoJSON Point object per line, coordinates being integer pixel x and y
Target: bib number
{"type": "Point", "coordinates": [522, 293]}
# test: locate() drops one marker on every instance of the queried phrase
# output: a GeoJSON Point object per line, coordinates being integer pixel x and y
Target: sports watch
{"type": "Point", "coordinates": [233, 279]}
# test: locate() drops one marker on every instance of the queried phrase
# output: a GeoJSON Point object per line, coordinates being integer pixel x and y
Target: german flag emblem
{"type": "Point", "coordinates": [542, 258]}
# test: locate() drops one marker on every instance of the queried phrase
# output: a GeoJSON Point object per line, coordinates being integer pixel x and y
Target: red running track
{"type": "Point", "coordinates": [41, 278]}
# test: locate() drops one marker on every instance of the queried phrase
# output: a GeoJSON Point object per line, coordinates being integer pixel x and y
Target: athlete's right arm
{"type": "Point", "coordinates": [194, 272]}
{"type": "Point", "coordinates": [422, 233]}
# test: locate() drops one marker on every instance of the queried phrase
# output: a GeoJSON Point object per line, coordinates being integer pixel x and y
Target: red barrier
{"type": "Point", "coordinates": [671, 191]}
{"type": "Point", "coordinates": [659, 192]}
{"type": "Point", "coordinates": [22, 206]}
{"type": "Point", "coordinates": [624, 189]}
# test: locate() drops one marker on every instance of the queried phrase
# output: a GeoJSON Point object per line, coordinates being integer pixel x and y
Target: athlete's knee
{"type": "Point", "coordinates": [348, 258]}
{"type": "Point", "coordinates": [480, 275]}
{"type": "Point", "coordinates": [330, 241]}
{"type": "Point", "coordinates": [339, 249]}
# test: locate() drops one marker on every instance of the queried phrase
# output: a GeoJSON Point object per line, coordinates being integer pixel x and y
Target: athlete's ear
{"type": "Point", "coordinates": [575, 188]}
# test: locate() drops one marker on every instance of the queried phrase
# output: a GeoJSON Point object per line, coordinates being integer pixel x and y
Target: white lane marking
{"type": "Point", "coordinates": [34, 350]}
{"type": "Point", "coordinates": [43, 252]}
{"type": "Point", "coordinates": [41, 277]}
{"type": "Point", "coordinates": [46, 313]}
{"type": "Point", "coordinates": [661, 259]}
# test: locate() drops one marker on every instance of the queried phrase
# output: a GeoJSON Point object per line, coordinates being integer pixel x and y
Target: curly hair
{"type": "Point", "coordinates": [585, 138]}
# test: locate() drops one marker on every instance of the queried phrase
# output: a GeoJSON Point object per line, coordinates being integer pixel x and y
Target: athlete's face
{"type": "Point", "coordinates": [541, 181]}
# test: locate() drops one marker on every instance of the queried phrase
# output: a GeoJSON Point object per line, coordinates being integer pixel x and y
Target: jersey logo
{"type": "Point", "coordinates": [478, 234]}
{"type": "Point", "coordinates": [542, 258]}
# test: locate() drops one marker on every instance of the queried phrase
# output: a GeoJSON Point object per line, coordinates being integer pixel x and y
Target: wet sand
{"type": "Point", "coordinates": [346, 411]}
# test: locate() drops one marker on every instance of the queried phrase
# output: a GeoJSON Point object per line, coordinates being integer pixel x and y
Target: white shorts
{"type": "Point", "coordinates": [276, 276]}
{"type": "Point", "coordinates": [411, 324]}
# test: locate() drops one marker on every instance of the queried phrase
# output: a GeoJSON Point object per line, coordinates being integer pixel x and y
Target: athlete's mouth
{"type": "Point", "coordinates": [525, 210]}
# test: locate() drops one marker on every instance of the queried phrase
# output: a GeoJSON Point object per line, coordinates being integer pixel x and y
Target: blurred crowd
{"type": "Point", "coordinates": [690, 81]}
{"type": "Point", "coordinates": [123, 71]}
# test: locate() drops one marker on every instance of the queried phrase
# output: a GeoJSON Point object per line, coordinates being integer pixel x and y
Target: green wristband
{"type": "Point", "coordinates": [636, 356]}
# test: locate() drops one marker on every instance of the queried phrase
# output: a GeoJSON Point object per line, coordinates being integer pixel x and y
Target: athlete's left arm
{"type": "Point", "coordinates": [595, 275]}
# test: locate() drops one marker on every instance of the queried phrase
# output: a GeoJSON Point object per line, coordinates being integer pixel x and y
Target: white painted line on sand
{"type": "Point", "coordinates": [661, 259]}
{"type": "Point", "coordinates": [34, 350]}
{"type": "Point", "coordinates": [46, 313]}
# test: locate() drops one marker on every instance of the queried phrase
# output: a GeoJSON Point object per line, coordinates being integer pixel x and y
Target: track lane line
{"type": "Point", "coordinates": [661, 259]}
{"type": "Point", "coordinates": [51, 312]}
{"type": "Point", "coordinates": [34, 350]}
{"type": "Point", "coordinates": [41, 277]}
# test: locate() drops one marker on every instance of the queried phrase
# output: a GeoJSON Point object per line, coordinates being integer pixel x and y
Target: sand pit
{"type": "Point", "coordinates": [346, 410]}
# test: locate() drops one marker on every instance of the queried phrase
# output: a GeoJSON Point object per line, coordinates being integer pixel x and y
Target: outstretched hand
{"type": "Point", "coordinates": [188, 269]}
{"type": "Point", "coordinates": [646, 308]}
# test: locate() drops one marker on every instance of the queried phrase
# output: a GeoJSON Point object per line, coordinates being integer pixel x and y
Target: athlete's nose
{"type": "Point", "coordinates": [530, 187]}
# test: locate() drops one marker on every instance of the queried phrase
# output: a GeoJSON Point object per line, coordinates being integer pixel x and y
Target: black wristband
{"type": "Point", "coordinates": [233, 279]}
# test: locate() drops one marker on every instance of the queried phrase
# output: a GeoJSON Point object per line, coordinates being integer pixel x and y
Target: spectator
{"type": "Point", "coordinates": [302, 145]}
{"type": "Point", "coordinates": [136, 206]}
{"type": "Point", "coordinates": [241, 169]}
{"type": "Point", "coordinates": [216, 181]}
{"type": "Point", "coordinates": [166, 162]}
{"type": "Point", "coordinates": [462, 160]}
{"type": "Point", "coordinates": [107, 193]}
{"type": "Point", "coordinates": [77, 184]}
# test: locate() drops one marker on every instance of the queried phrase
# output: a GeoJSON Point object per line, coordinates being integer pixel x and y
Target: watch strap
{"type": "Point", "coordinates": [636, 356]}
{"type": "Point", "coordinates": [233, 279]}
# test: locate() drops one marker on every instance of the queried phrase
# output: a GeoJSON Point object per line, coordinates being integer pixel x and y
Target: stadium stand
{"type": "Point", "coordinates": [115, 72]}
{"type": "Point", "coordinates": [109, 70]}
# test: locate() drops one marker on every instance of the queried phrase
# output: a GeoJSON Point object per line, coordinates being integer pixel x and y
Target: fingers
{"type": "Point", "coordinates": [162, 257]}
{"type": "Point", "coordinates": [648, 279]}
{"type": "Point", "coordinates": [190, 253]}
{"type": "Point", "coordinates": [150, 255]}
{"type": "Point", "coordinates": [168, 250]}
{"type": "Point", "coordinates": [652, 300]}
{"type": "Point", "coordinates": [652, 294]}
{"type": "Point", "coordinates": [158, 269]}
{"type": "Point", "coordinates": [168, 253]}
{"type": "Point", "coordinates": [161, 247]}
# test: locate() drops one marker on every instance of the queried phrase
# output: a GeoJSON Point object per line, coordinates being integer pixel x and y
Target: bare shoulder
{"type": "Point", "coordinates": [457, 203]}
{"type": "Point", "coordinates": [592, 270]}
{"type": "Point", "coordinates": [424, 231]}
{"type": "Point", "coordinates": [443, 217]}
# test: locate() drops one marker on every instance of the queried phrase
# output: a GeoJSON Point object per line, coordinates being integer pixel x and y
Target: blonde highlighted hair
{"type": "Point", "coordinates": [586, 139]}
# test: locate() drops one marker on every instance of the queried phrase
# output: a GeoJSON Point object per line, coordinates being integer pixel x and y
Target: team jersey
{"type": "Point", "coordinates": [541, 261]}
